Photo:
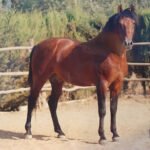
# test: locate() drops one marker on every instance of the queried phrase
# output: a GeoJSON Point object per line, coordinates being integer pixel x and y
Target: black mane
{"type": "Point", "coordinates": [113, 21]}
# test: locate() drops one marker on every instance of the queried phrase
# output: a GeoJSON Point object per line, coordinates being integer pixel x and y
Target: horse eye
{"type": "Point", "coordinates": [134, 23]}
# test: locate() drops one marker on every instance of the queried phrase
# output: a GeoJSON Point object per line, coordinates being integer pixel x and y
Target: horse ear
{"type": "Point", "coordinates": [120, 8]}
{"type": "Point", "coordinates": [132, 7]}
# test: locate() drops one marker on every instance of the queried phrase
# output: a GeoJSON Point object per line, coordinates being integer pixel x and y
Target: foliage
{"type": "Point", "coordinates": [141, 53]}
{"type": "Point", "coordinates": [75, 19]}
{"type": "Point", "coordinates": [17, 28]}
{"type": "Point", "coordinates": [143, 35]}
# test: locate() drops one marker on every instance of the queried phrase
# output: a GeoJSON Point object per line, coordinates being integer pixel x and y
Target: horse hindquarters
{"type": "Point", "coordinates": [36, 82]}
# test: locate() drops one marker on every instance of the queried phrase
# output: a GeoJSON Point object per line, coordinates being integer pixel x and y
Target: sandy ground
{"type": "Point", "coordinates": [79, 121]}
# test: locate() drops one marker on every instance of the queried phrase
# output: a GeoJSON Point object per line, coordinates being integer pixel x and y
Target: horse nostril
{"type": "Point", "coordinates": [128, 43]}
{"type": "Point", "coordinates": [131, 43]}
{"type": "Point", "coordinates": [125, 43]}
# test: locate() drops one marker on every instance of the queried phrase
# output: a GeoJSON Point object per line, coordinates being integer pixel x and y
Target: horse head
{"type": "Point", "coordinates": [127, 20]}
{"type": "Point", "coordinates": [123, 23]}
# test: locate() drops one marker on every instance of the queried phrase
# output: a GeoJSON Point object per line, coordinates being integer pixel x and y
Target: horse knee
{"type": "Point", "coordinates": [113, 108]}
{"type": "Point", "coordinates": [102, 112]}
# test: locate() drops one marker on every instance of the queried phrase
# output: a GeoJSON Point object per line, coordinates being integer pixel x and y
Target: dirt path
{"type": "Point", "coordinates": [79, 121]}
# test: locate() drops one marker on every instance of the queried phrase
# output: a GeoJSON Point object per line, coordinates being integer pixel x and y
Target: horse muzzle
{"type": "Point", "coordinates": [128, 44]}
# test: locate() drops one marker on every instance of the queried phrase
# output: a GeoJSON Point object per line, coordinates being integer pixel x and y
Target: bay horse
{"type": "Point", "coordinates": [101, 62]}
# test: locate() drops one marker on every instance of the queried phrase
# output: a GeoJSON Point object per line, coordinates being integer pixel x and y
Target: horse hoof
{"type": "Point", "coordinates": [115, 139]}
{"type": "Point", "coordinates": [62, 137]}
{"type": "Point", "coordinates": [28, 136]}
{"type": "Point", "coordinates": [102, 142]}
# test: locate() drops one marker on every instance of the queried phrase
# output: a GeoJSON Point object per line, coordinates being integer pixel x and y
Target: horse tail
{"type": "Point", "coordinates": [30, 67]}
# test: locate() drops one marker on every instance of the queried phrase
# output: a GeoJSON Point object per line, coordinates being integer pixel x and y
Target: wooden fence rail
{"type": "Point", "coordinates": [30, 47]}
{"type": "Point", "coordinates": [13, 73]}
{"type": "Point", "coordinates": [141, 43]}
{"type": "Point", "coordinates": [15, 48]}
{"type": "Point", "coordinates": [138, 64]}
{"type": "Point", "coordinates": [47, 87]}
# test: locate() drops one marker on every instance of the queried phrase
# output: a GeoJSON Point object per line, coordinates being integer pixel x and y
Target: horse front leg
{"type": "Point", "coordinates": [114, 92]}
{"type": "Point", "coordinates": [113, 111]}
{"type": "Point", "coordinates": [102, 111]}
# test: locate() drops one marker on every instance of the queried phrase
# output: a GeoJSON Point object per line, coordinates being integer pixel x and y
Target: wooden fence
{"type": "Point", "coordinates": [47, 87]}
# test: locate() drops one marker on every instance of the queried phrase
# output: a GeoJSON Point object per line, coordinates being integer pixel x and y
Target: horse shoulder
{"type": "Point", "coordinates": [112, 68]}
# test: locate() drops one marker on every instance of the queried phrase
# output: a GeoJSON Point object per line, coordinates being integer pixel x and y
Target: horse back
{"type": "Point", "coordinates": [46, 55]}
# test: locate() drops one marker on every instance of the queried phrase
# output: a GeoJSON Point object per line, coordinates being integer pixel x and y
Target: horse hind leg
{"type": "Point", "coordinates": [34, 93]}
{"type": "Point", "coordinates": [53, 101]}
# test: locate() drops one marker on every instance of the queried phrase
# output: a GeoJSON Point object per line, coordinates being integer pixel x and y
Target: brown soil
{"type": "Point", "coordinates": [79, 121]}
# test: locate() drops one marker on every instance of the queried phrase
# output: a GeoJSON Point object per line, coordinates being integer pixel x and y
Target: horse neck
{"type": "Point", "coordinates": [109, 41]}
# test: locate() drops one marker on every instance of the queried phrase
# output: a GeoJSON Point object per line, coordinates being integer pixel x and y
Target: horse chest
{"type": "Point", "coordinates": [111, 71]}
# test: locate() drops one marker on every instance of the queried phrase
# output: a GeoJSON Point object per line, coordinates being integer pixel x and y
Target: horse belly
{"type": "Point", "coordinates": [77, 75]}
